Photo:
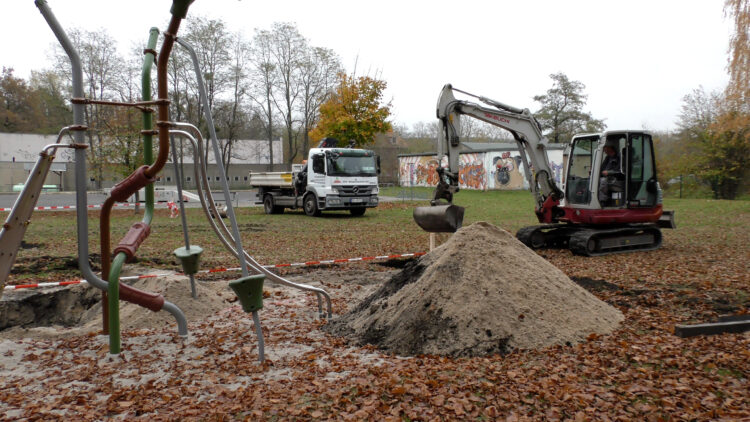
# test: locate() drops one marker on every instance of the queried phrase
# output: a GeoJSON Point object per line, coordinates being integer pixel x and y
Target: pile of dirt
{"type": "Point", "coordinates": [481, 292]}
{"type": "Point", "coordinates": [211, 298]}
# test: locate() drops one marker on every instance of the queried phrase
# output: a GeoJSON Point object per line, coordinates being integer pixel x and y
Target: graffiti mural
{"type": "Point", "coordinates": [502, 170]}
{"type": "Point", "coordinates": [418, 171]}
{"type": "Point", "coordinates": [471, 172]}
{"type": "Point", "coordinates": [506, 170]}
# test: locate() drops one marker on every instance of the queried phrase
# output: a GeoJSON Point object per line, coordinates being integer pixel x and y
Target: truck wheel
{"type": "Point", "coordinates": [269, 207]}
{"type": "Point", "coordinates": [268, 204]}
{"type": "Point", "coordinates": [311, 205]}
{"type": "Point", "coordinates": [358, 211]}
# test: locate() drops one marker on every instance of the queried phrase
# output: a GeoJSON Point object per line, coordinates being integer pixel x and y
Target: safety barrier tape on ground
{"type": "Point", "coordinates": [221, 270]}
{"type": "Point", "coordinates": [72, 207]}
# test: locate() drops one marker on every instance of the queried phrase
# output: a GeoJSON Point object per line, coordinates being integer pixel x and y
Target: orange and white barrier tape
{"type": "Point", "coordinates": [221, 270]}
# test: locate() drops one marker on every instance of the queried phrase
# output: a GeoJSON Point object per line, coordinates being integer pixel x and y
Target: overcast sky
{"type": "Point", "coordinates": [637, 58]}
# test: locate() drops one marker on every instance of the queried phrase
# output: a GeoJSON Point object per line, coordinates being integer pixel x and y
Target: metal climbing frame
{"type": "Point", "coordinates": [14, 228]}
{"type": "Point", "coordinates": [151, 301]}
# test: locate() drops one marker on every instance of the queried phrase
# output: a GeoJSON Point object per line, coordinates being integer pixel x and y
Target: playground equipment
{"type": "Point", "coordinates": [142, 178]}
{"type": "Point", "coordinates": [12, 233]}
{"type": "Point", "coordinates": [208, 204]}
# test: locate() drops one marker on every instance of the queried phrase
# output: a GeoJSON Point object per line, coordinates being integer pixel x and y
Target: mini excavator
{"type": "Point", "coordinates": [610, 201]}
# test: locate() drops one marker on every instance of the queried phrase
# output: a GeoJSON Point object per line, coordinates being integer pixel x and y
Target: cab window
{"type": "Point", "coordinates": [642, 190]}
{"type": "Point", "coordinates": [318, 164]}
{"type": "Point", "coordinates": [579, 170]}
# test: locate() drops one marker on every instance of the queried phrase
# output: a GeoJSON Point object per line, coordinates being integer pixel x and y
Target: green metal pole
{"type": "Point", "coordinates": [113, 288]}
{"type": "Point", "coordinates": [113, 296]}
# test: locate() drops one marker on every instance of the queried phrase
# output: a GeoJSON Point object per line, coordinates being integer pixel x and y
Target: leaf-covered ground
{"type": "Point", "coordinates": [639, 372]}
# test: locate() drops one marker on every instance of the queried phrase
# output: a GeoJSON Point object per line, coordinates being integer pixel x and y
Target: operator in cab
{"type": "Point", "coordinates": [610, 167]}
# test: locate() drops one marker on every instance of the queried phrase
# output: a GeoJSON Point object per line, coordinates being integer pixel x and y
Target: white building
{"type": "Point", "coordinates": [19, 152]}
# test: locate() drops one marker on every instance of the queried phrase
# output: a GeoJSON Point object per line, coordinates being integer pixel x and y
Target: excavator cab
{"type": "Point", "coordinates": [612, 170]}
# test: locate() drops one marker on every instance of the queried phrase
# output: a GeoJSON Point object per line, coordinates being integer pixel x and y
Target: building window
{"type": "Point", "coordinates": [236, 179]}
{"type": "Point", "coordinates": [169, 179]}
{"type": "Point", "coordinates": [218, 178]}
{"type": "Point", "coordinates": [189, 179]}
{"type": "Point", "coordinates": [245, 178]}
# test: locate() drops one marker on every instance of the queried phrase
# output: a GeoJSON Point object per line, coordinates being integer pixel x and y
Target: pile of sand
{"type": "Point", "coordinates": [211, 298]}
{"type": "Point", "coordinates": [481, 292]}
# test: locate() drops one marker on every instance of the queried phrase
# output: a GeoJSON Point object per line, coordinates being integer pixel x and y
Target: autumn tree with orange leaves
{"type": "Point", "coordinates": [354, 111]}
{"type": "Point", "coordinates": [721, 144]}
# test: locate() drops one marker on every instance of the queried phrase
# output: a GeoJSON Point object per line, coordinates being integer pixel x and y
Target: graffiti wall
{"type": "Point", "coordinates": [471, 171]}
{"type": "Point", "coordinates": [422, 171]}
{"type": "Point", "coordinates": [505, 170]}
{"type": "Point", "coordinates": [501, 170]}
{"type": "Point", "coordinates": [418, 170]}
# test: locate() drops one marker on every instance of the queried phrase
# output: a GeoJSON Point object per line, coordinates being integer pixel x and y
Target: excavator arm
{"type": "Point", "coordinates": [525, 130]}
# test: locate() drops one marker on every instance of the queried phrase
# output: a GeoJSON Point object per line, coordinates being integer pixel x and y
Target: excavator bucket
{"type": "Point", "coordinates": [439, 218]}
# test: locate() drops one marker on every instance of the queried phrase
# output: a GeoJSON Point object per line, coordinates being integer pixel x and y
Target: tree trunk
{"type": "Point", "coordinates": [270, 133]}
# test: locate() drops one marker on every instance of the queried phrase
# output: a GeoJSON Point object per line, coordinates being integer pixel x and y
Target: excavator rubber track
{"type": "Point", "coordinates": [595, 242]}
{"type": "Point", "coordinates": [590, 241]}
{"type": "Point", "coordinates": [546, 235]}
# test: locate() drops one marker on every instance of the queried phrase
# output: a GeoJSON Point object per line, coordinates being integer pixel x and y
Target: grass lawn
{"type": "Point", "coordinates": [708, 231]}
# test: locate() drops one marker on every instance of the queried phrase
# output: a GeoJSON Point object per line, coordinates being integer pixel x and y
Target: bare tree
{"type": "Point", "coordinates": [231, 113]}
{"type": "Point", "coordinates": [425, 130]}
{"type": "Point", "coordinates": [100, 63]}
{"type": "Point", "coordinates": [318, 72]}
{"type": "Point", "coordinates": [210, 39]}
{"type": "Point", "coordinates": [287, 51]}
{"type": "Point", "coordinates": [124, 144]}
{"type": "Point", "coordinates": [263, 79]}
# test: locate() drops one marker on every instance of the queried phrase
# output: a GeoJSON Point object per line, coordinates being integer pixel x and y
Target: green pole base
{"type": "Point", "coordinates": [190, 258]}
{"type": "Point", "coordinates": [250, 291]}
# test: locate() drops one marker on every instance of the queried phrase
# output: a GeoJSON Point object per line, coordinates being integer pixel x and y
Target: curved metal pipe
{"type": "Point", "coordinates": [210, 207]}
{"type": "Point", "coordinates": [163, 96]}
{"type": "Point", "coordinates": [179, 316]}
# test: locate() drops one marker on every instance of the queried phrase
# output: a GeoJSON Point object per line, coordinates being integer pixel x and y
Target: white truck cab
{"type": "Point", "coordinates": [332, 179]}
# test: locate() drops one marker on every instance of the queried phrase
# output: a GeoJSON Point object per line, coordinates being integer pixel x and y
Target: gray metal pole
{"type": "Point", "coordinates": [178, 179]}
{"type": "Point", "coordinates": [224, 184]}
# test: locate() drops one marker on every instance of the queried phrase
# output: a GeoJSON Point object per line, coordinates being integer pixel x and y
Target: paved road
{"type": "Point", "coordinates": [59, 199]}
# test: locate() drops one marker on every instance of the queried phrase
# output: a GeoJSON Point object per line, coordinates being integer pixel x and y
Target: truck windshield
{"type": "Point", "coordinates": [347, 165]}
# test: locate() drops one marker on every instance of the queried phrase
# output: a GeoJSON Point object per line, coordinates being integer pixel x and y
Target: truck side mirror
{"type": "Point", "coordinates": [377, 163]}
